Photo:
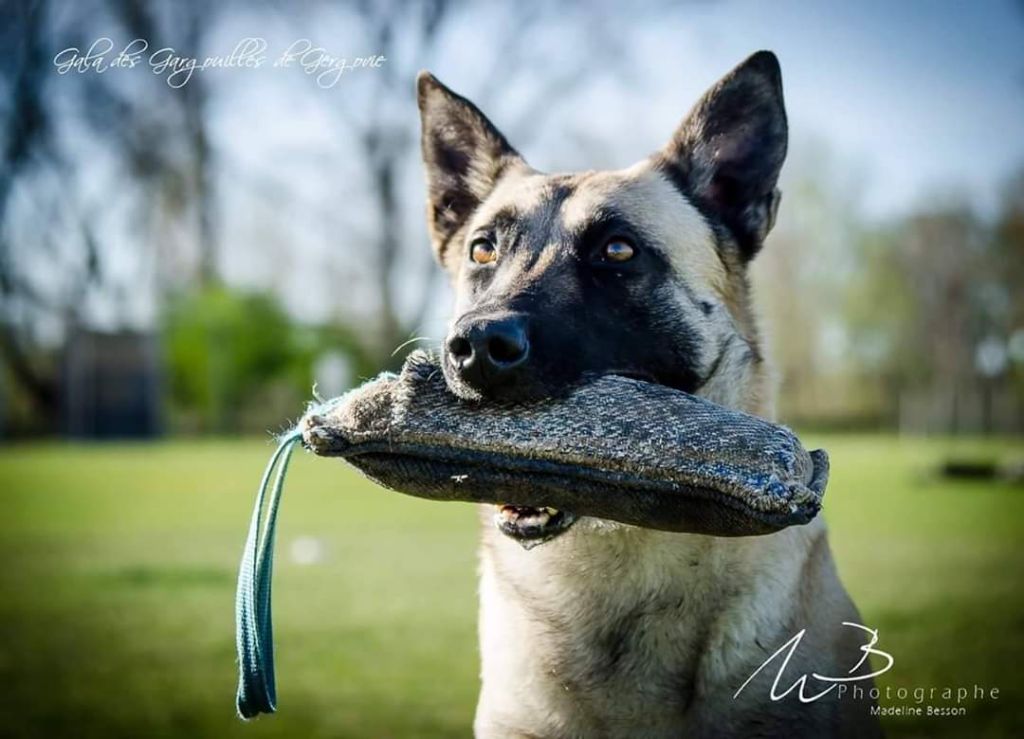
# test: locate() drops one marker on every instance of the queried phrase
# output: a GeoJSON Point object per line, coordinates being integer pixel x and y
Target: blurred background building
{"type": "Point", "coordinates": [190, 252]}
{"type": "Point", "coordinates": [110, 384]}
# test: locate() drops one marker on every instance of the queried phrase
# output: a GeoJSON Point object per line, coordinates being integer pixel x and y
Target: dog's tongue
{"type": "Point", "coordinates": [614, 448]}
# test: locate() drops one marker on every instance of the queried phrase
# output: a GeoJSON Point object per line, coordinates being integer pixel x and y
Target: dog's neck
{"type": "Point", "coordinates": [572, 626]}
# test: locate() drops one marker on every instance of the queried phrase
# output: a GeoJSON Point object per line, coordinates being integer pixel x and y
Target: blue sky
{"type": "Point", "coordinates": [922, 98]}
{"type": "Point", "coordinates": [925, 97]}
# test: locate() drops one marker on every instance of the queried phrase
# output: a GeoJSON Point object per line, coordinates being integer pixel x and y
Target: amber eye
{"type": "Point", "coordinates": [482, 251]}
{"type": "Point", "coordinates": [618, 250]}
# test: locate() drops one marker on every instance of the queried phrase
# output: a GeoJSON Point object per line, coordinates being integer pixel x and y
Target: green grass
{"type": "Point", "coordinates": [117, 567]}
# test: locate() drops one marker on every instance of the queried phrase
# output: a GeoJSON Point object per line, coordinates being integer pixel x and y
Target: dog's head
{"type": "Point", "coordinates": [640, 271]}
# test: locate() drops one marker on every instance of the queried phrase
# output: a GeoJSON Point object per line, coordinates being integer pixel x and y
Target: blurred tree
{"type": "Point", "coordinates": [910, 321]}
{"type": "Point", "coordinates": [807, 260]}
{"type": "Point", "coordinates": [162, 131]}
{"type": "Point", "coordinates": [1008, 252]}
{"type": "Point", "coordinates": [62, 262]}
{"type": "Point", "coordinates": [1005, 270]}
{"type": "Point", "coordinates": [235, 360]}
{"type": "Point", "coordinates": [933, 306]}
{"type": "Point", "coordinates": [27, 142]}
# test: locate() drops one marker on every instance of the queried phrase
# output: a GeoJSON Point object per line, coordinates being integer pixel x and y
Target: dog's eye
{"type": "Point", "coordinates": [482, 251]}
{"type": "Point", "coordinates": [618, 250]}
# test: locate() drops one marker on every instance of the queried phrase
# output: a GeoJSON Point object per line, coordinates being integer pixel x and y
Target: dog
{"type": "Point", "coordinates": [603, 629]}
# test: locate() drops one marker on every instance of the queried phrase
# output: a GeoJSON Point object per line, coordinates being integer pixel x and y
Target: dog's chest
{"type": "Point", "coordinates": [601, 630]}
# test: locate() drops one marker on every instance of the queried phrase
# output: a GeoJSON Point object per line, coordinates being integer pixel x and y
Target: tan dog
{"type": "Point", "coordinates": [606, 630]}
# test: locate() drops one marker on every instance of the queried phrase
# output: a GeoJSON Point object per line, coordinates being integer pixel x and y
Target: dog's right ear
{"type": "Point", "coordinates": [464, 155]}
{"type": "Point", "coordinates": [728, 152]}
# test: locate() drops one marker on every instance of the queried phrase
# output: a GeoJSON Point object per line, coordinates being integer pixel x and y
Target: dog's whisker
{"type": "Point", "coordinates": [413, 340]}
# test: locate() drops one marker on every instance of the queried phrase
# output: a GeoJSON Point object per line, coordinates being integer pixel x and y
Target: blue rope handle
{"type": "Point", "coordinates": [254, 633]}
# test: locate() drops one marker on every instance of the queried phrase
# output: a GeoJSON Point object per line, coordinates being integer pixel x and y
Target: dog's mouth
{"type": "Point", "coordinates": [531, 526]}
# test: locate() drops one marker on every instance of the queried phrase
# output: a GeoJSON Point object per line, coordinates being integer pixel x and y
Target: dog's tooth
{"type": "Point", "coordinates": [551, 511]}
{"type": "Point", "coordinates": [539, 518]}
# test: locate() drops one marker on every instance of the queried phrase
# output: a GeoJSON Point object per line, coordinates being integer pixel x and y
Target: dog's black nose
{"type": "Point", "coordinates": [488, 352]}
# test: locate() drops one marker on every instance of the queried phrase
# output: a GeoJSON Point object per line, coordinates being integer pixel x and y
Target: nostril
{"type": "Point", "coordinates": [489, 351]}
{"type": "Point", "coordinates": [507, 349]}
{"type": "Point", "coordinates": [460, 348]}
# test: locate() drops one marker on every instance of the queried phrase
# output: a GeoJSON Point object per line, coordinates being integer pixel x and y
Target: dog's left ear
{"type": "Point", "coordinates": [464, 155]}
{"type": "Point", "coordinates": [727, 154]}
